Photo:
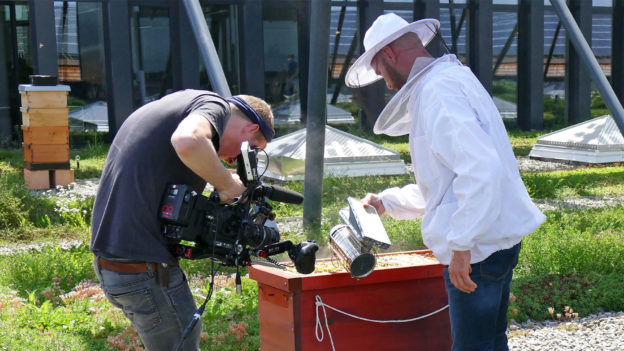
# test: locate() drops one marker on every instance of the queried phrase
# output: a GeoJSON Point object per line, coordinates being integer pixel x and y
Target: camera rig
{"type": "Point", "coordinates": [231, 233]}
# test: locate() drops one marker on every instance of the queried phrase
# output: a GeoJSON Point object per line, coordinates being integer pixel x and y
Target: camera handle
{"type": "Point", "coordinates": [303, 254]}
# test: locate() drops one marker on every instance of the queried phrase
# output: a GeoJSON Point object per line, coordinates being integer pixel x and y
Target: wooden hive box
{"type": "Point", "coordinates": [45, 117]}
{"type": "Point", "coordinates": [287, 311]}
{"type": "Point", "coordinates": [46, 153]}
{"type": "Point", "coordinates": [43, 96]}
{"type": "Point", "coordinates": [46, 143]}
{"type": "Point", "coordinates": [46, 135]}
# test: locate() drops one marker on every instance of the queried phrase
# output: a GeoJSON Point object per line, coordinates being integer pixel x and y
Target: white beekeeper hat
{"type": "Point", "coordinates": [386, 29]}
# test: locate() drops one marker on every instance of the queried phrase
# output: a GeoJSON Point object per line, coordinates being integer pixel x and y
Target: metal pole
{"type": "Point", "coordinates": [317, 111]}
{"type": "Point", "coordinates": [552, 49]}
{"type": "Point", "coordinates": [345, 68]}
{"type": "Point", "coordinates": [453, 28]}
{"type": "Point", "coordinates": [583, 49]}
{"type": "Point", "coordinates": [479, 39]}
{"type": "Point", "coordinates": [118, 63]}
{"type": "Point", "coordinates": [42, 37]}
{"type": "Point", "coordinates": [343, 9]}
{"type": "Point", "coordinates": [207, 48]}
{"type": "Point", "coordinates": [617, 49]}
{"type": "Point", "coordinates": [503, 52]}
{"type": "Point", "coordinates": [530, 91]}
{"type": "Point", "coordinates": [426, 9]}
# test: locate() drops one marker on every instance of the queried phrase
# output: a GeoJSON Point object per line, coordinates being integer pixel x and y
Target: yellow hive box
{"type": "Point", "coordinates": [43, 96]}
{"type": "Point", "coordinates": [44, 99]}
{"type": "Point", "coordinates": [45, 117]}
{"type": "Point", "coordinates": [46, 135]}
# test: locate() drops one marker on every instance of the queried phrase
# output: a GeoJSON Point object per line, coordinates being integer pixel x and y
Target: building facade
{"type": "Point", "coordinates": [122, 54]}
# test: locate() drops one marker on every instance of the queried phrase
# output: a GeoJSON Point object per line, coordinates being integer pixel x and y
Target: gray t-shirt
{"type": "Point", "coordinates": [140, 163]}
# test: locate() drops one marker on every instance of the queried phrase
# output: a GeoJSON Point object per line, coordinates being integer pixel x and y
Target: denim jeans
{"type": "Point", "coordinates": [479, 319]}
{"type": "Point", "coordinates": [159, 314]}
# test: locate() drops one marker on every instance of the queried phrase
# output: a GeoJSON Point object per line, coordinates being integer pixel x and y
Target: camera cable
{"type": "Point", "coordinates": [197, 315]}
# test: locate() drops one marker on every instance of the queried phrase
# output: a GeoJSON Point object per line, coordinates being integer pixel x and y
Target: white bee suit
{"type": "Point", "coordinates": [467, 182]}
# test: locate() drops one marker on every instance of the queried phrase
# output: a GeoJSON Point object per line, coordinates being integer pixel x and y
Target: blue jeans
{"type": "Point", "coordinates": [479, 319]}
{"type": "Point", "coordinates": [159, 314]}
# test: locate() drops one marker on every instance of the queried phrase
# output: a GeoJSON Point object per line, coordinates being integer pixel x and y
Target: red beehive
{"type": "Point", "coordinates": [288, 314]}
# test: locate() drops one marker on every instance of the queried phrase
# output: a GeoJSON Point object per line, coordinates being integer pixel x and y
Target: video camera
{"type": "Point", "coordinates": [232, 233]}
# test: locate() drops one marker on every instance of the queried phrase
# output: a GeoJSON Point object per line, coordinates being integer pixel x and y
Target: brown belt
{"type": "Point", "coordinates": [120, 267]}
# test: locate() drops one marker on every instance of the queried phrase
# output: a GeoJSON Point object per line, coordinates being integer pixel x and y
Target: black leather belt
{"type": "Point", "coordinates": [121, 267]}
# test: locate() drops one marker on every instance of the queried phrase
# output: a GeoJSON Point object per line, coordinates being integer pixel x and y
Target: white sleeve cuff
{"type": "Point", "coordinates": [403, 203]}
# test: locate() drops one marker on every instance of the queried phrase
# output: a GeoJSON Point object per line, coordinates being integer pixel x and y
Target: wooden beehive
{"type": "Point", "coordinates": [45, 117]}
{"type": "Point", "coordinates": [43, 98]}
{"type": "Point", "coordinates": [287, 311]}
{"type": "Point", "coordinates": [46, 135]}
{"type": "Point", "coordinates": [45, 126]}
{"type": "Point", "coordinates": [46, 153]}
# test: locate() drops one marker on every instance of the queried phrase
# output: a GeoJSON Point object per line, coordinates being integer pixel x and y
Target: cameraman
{"type": "Point", "coordinates": [181, 138]}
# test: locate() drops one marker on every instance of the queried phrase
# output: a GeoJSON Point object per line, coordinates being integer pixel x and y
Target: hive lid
{"type": "Point", "coordinates": [344, 155]}
{"type": "Point", "coordinates": [30, 87]}
{"type": "Point", "coordinates": [597, 140]}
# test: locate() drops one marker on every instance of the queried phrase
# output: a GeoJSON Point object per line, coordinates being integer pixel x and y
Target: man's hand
{"type": "Point", "coordinates": [192, 141]}
{"type": "Point", "coordinates": [375, 201]}
{"type": "Point", "coordinates": [459, 271]}
{"type": "Point", "coordinates": [234, 189]}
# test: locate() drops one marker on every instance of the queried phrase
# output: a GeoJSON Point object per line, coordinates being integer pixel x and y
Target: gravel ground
{"type": "Point", "coordinates": [526, 164]}
{"type": "Point", "coordinates": [11, 249]}
{"type": "Point", "coordinates": [598, 332]}
{"type": "Point", "coordinates": [601, 331]}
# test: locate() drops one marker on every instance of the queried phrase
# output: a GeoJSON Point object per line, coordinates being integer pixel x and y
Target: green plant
{"type": "Point", "coordinates": [552, 296]}
{"type": "Point", "coordinates": [505, 89]}
{"type": "Point", "coordinates": [554, 113]}
{"type": "Point", "coordinates": [11, 157]}
{"type": "Point", "coordinates": [232, 319]}
{"type": "Point", "coordinates": [583, 181]}
{"type": "Point", "coordinates": [34, 271]}
{"type": "Point", "coordinates": [75, 102]}
{"type": "Point", "coordinates": [522, 142]}
{"type": "Point", "coordinates": [88, 161]}
{"type": "Point", "coordinates": [576, 241]}
{"type": "Point", "coordinates": [80, 139]}
{"type": "Point", "coordinates": [12, 212]}
{"type": "Point", "coordinates": [573, 259]}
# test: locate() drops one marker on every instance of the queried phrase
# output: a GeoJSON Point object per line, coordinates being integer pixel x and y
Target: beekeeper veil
{"type": "Point", "coordinates": [394, 119]}
{"type": "Point", "coordinates": [386, 29]}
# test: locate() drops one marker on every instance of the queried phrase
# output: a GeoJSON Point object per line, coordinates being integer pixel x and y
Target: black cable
{"type": "Point", "coordinates": [239, 283]}
{"type": "Point", "coordinates": [268, 160]}
{"type": "Point", "coordinates": [197, 315]}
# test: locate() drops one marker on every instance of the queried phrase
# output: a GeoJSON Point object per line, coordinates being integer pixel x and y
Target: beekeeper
{"type": "Point", "coordinates": [475, 207]}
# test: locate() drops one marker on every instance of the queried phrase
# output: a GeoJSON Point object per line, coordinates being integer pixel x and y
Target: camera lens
{"type": "Point", "coordinates": [259, 235]}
